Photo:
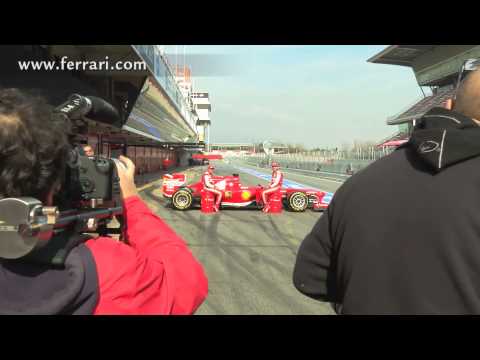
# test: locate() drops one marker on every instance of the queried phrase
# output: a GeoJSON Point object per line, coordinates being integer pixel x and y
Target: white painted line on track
{"type": "Point", "coordinates": [307, 176]}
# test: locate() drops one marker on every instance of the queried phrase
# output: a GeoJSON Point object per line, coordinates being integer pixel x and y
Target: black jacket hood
{"type": "Point", "coordinates": [443, 138]}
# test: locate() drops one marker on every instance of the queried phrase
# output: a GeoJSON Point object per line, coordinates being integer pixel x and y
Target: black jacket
{"type": "Point", "coordinates": [58, 279]}
{"type": "Point", "coordinates": [403, 235]}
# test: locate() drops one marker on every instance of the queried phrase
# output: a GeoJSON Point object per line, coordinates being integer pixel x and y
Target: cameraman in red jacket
{"type": "Point", "coordinates": [155, 273]}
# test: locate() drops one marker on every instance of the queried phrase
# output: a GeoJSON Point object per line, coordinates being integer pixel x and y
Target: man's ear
{"type": "Point", "coordinates": [449, 104]}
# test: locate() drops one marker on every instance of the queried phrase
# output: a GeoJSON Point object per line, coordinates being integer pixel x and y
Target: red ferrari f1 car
{"type": "Point", "coordinates": [235, 195]}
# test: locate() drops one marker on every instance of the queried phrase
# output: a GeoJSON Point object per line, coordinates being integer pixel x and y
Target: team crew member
{"type": "Point", "coordinates": [210, 186]}
{"type": "Point", "coordinates": [275, 184]}
{"type": "Point", "coordinates": [88, 150]}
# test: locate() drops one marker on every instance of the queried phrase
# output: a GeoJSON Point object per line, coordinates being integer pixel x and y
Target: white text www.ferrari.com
{"type": "Point", "coordinates": [71, 65]}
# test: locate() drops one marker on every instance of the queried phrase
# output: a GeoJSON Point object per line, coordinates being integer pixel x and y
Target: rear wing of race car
{"type": "Point", "coordinates": [171, 182]}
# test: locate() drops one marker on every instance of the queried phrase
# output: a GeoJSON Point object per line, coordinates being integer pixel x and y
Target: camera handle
{"type": "Point", "coordinates": [25, 224]}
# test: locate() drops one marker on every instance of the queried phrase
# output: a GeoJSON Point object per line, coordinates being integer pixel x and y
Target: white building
{"type": "Point", "coordinates": [202, 108]}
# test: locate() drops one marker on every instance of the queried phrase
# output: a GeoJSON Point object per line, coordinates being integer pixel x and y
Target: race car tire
{"type": "Point", "coordinates": [297, 202]}
{"type": "Point", "coordinates": [182, 199]}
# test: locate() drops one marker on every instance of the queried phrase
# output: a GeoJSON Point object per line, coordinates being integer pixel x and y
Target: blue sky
{"type": "Point", "coordinates": [315, 95]}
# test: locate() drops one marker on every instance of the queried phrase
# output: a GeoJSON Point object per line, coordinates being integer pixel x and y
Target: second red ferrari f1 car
{"type": "Point", "coordinates": [235, 195]}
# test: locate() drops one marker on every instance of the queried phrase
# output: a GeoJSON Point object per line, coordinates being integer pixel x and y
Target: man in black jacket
{"type": "Point", "coordinates": [403, 235]}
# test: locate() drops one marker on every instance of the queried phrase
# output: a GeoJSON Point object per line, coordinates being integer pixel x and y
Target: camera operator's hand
{"type": "Point", "coordinates": [127, 177]}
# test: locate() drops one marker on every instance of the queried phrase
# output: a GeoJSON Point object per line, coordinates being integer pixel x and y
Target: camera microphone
{"type": "Point", "coordinates": [91, 107]}
{"type": "Point", "coordinates": [103, 111]}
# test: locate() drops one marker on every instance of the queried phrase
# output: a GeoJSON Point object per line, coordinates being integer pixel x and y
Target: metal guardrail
{"type": "Point", "coordinates": [324, 174]}
{"type": "Point", "coordinates": [337, 166]}
{"type": "Point", "coordinates": [334, 166]}
{"type": "Point", "coordinates": [318, 174]}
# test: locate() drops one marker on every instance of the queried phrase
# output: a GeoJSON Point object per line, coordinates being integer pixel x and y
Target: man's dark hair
{"type": "Point", "coordinates": [33, 145]}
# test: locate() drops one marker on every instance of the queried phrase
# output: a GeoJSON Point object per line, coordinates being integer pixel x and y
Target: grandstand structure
{"type": "Point", "coordinates": [435, 67]}
{"type": "Point", "coordinates": [197, 102]}
{"type": "Point", "coordinates": [395, 140]}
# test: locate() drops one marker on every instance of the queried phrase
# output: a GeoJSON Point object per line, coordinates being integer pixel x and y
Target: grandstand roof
{"type": "Point", "coordinates": [400, 136]}
{"type": "Point", "coordinates": [422, 107]}
{"type": "Point", "coordinates": [393, 143]}
{"type": "Point", "coordinates": [402, 55]}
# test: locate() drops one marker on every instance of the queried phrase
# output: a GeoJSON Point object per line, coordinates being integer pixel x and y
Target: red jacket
{"type": "Point", "coordinates": [155, 274]}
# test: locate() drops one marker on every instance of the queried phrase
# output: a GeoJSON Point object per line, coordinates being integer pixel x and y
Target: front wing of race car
{"type": "Point", "coordinates": [302, 199]}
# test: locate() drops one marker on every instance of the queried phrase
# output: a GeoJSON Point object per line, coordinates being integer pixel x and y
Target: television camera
{"type": "Point", "coordinates": [89, 199]}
